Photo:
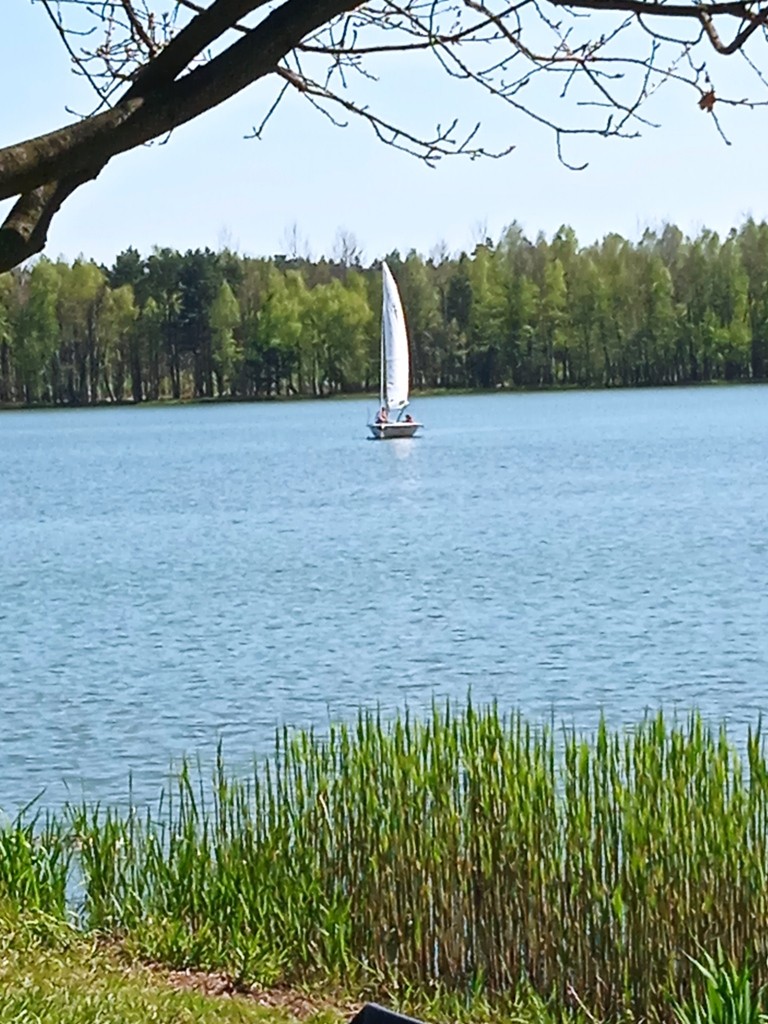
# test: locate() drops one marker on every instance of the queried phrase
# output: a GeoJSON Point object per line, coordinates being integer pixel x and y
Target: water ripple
{"type": "Point", "coordinates": [176, 577]}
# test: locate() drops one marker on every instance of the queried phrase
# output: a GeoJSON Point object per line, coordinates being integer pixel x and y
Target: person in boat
{"type": "Point", "coordinates": [381, 415]}
{"type": "Point", "coordinates": [408, 418]}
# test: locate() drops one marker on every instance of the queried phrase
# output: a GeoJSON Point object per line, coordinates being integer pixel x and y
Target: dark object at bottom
{"type": "Point", "coordinates": [372, 1013]}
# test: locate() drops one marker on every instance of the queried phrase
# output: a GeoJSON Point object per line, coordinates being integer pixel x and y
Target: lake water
{"type": "Point", "coordinates": [174, 576]}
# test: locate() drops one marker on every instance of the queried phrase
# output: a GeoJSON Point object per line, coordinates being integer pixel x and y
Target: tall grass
{"type": "Point", "coordinates": [35, 858]}
{"type": "Point", "coordinates": [467, 852]}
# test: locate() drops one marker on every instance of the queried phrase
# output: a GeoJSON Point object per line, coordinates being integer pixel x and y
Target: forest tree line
{"type": "Point", "coordinates": [513, 313]}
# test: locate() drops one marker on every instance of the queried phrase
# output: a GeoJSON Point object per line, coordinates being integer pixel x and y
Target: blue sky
{"type": "Point", "coordinates": [209, 185]}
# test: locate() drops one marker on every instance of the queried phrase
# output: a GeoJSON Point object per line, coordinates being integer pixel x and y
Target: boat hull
{"type": "Point", "coordinates": [389, 431]}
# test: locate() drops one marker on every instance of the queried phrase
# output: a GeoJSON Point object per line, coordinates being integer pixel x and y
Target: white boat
{"type": "Point", "coordinates": [395, 367]}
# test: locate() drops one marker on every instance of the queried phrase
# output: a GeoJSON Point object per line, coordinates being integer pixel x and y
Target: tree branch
{"type": "Point", "coordinates": [735, 10]}
{"type": "Point", "coordinates": [147, 112]}
{"type": "Point", "coordinates": [739, 39]}
{"type": "Point", "coordinates": [137, 27]}
{"type": "Point", "coordinates": [25, 230]}
{"type": "Point", "coordinates": [209, 24]}
{"type": "Point", "coordinates": [172, 76]}
{"type": "Point", "coordinates": [154, 105]}
{"type": "Point", "coordinates": [704, 13]}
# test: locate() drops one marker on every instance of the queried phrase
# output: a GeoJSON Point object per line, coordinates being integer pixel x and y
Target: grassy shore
{"type": "Point", "coordinates": [53, 974]}
{"type": "Point", "coordinates": [464, 862]}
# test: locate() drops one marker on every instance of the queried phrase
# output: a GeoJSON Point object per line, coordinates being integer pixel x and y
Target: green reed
{"type": "Point", "coordinates": [35, 858]}
{"type": "Point", "coordinates": [466, 852]}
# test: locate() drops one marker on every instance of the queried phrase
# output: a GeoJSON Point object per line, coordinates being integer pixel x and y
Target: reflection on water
{"type": "Point", "coordinates": [403, 447]}
{"type": "Point", "coordinates": [171, 576]}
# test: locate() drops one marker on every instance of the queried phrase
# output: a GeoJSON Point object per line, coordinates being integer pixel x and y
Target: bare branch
{"type": "Point", "coordinates": [161, 63]}
{"type": "Point", "coordinates": [739, 39]}
{"type": "Point", "coordinates": [663, 10]}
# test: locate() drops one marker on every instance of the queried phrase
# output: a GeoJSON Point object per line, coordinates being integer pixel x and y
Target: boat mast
{"type": "Point", "coordinates": [382, 367]}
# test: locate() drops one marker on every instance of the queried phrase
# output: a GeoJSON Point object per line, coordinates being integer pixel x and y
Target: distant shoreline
{"type": "Point", "coordinates": [521, 389]}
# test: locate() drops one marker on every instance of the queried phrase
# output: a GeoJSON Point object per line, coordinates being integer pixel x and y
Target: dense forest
{"type": "Point", "coordinates": [513, 313]}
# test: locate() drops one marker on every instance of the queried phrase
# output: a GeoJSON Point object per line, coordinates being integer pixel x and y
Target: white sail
{"type": "Point", "coordinates": [394, 344]}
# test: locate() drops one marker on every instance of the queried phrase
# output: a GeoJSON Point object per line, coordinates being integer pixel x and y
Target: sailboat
{"type": "Point", "coordinates": [395, 367]}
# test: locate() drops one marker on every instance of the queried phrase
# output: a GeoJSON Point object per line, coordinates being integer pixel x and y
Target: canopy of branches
{"type": "Point", "coordinates": [585, 66]}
